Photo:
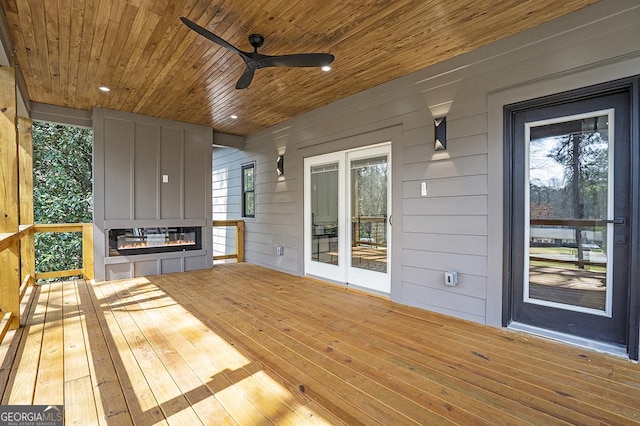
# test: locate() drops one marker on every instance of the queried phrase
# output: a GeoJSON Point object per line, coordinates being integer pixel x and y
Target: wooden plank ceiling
{"type": "Point", "coordinates": [156, 66]}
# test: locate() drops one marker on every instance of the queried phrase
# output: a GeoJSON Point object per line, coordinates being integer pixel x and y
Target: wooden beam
{"type": "Point", "coordinates": [58, 227]}
{"type": "Point", "coordinates": [25, 160]}
{"type": "Point", "coordinates": [9, 196]}
{"type": "Point", "coordinates": [225, 257]}
{"type": "Point", "coordinates": [58, 274]}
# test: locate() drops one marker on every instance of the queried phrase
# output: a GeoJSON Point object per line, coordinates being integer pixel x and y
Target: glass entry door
{"type": "Point", "coordinates": [347, 221]}
{"type": "Point", "coordinates": [571, 218]}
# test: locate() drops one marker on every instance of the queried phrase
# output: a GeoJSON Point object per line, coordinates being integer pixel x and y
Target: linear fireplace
{"type": "Point", "coordinates": [132, 241]}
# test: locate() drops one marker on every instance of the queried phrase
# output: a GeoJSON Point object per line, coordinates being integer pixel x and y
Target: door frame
{"type": "Point", "coordinates": [342, 272]}
{"type": "Point", "coordinates": [632, 85]}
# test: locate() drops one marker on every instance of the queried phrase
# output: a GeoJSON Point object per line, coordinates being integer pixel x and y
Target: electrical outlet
{"type": "Point", "coordinates": [451, 278]}
{"type": "Point", "coordinates": [423, 189]}
{"type": "Point", "coordinates": [280, 250]}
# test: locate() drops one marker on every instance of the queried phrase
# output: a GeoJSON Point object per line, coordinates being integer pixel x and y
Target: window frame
{"type": "Point", "coordinates": [244, 192]}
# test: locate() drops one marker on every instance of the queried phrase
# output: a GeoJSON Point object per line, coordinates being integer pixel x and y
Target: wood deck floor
{"type": "Point", "coordinates": [240, 344]}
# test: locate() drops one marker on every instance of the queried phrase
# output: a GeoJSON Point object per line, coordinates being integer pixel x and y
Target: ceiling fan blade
{"type": "Point", "coordinates": [245, 79]}
{"type": "Point", "coordinates": [298, 60]}
{"type": "Point", "coordinates": [211, 36]}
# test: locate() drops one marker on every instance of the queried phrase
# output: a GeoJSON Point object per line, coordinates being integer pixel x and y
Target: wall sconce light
{"type": "Point", "coordinates": [440, 132]}
{"type": "Point", "coordinates": [280, 165]}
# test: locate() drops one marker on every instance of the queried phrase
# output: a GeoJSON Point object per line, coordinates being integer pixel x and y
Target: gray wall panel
{"type": "Point", "coordinates": [145, 267]}
{"type": "Point", "coordinates": [146, 168]}
{"type": "Point", "coordinates": [171, 159]}
{"type": "Point", "coordinates": [118, 150]}
{"type": "Point", "coordinates": [468, 264]}
{"type": "Point", "coordinates": [446, 224]}
{"type": "Point", "coordinates": [451, 186]}
{"type": "Point", "coordinates": [169, 266]}
{"type": "Point", "coordinates": [472, 205]}
{"type": "Point", "coordinates": [444, 299]}
{"type": "Point", "coordinates": [118, 271]}
{"type": "Point", "coordinates": [446, 243]}
{"type": "Point", "coordinates": [196, 174]}
{"type": "Point", "coordinates": [192, 263]}
{"type": "Point", "coordinates": [470, 285]}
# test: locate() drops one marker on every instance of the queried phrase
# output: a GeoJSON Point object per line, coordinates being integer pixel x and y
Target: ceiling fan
{"type": "Point", "coordinates": [255, 60]}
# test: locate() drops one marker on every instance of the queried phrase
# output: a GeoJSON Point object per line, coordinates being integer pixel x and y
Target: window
{"type": "Point", "coordinates": [248, 190]}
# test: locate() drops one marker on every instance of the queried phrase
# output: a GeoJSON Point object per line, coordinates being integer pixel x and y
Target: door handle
{"type": "Point", "coordinates": [390, 221]}
{"type": "Point", "coordinates": [616, 221]}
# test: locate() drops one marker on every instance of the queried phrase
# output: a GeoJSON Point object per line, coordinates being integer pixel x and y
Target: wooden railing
{"type": "Point", "coordinates": [87, 249]}
{"type": "Point", "coordinates": [17, 258]}
{"type": "Point", "coordinates": [239, 254]}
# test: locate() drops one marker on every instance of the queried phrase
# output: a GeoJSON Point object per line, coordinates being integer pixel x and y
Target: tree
{"type": "Point", "coordinates": [584, 158]}
{"type": "Point", "coordinates": [62, 191]}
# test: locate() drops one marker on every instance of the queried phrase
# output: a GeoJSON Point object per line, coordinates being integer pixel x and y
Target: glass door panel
{"type": "Point", "coordinates": [324, 227]}
{"type": "Point", "coordinates": [569, 262]}
{"type": "Point", "coordinates": [324, 214]}
{"type": "Point", "coordinates": [369, 206]}
{"type": "Point", "coordinates": [369, 213]}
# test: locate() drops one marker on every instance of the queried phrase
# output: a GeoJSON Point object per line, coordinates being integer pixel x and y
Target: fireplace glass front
{"type": "Point", "coordinates": [131, 241]}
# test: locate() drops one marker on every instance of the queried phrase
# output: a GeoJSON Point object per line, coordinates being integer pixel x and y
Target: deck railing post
{"type": "Point", "coordinates": [25, 159]}
{"type": "Point", "coordinates": [87, 251]}
{"type": "Point", "coordinates": [240, 241]}
{"type": "Point", "coordinates": [9, 197]}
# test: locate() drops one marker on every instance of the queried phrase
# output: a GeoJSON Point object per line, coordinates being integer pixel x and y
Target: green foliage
{"type": "Point", "coordinates": [62, 191]}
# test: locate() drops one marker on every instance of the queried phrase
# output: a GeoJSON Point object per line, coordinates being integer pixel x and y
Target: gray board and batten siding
{"type": "Point", "coordinates": [459, 224]}
{"type": "Point", "coordinates": [131, 154]}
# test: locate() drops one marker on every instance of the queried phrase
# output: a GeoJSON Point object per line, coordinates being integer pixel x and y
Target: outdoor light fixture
{"type": "Point", "coordinates": [440, 133]}
{"type": "Point", "coordinates": [280, 165]}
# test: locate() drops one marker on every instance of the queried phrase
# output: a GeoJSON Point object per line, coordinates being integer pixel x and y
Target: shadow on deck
{"type": "Point", "coordinates": [240, 344]}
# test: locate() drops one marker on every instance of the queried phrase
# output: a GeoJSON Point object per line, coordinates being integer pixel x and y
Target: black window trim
{"type": "Point", "coordinates": [244, 167]}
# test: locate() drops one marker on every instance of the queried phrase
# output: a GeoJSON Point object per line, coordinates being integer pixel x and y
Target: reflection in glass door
{"type": "Point", "coordinates": [324, 213]}
{"type": "Point", "coordinates": [570, 193]}
{"type": "Point", "coordinates": [347, 217]}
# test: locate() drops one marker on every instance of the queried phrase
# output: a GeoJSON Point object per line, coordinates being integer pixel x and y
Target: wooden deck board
{"type": "Point", "coordinates": [387, 366]}
{"type": "Point", "coordinates": [243, 345]}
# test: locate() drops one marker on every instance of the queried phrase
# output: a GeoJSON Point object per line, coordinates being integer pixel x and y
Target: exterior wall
{"type": "Point", "coordinates": [131, 153]}
{"type": "Point", "coordinates": [459, 225]}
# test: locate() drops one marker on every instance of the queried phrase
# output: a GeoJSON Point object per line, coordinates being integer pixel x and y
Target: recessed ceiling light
{"type": "Point", "coordinates": [233, 116]}
{"type": "Point", "coordinates": [104, 88]}
{"type": "Point", "coordinates": [325, 68]}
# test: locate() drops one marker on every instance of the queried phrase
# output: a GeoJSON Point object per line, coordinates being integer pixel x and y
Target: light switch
{"type": "Point", "coordinates": [165, 178]}
{"type": "Point", "coordinates": [423, 189]}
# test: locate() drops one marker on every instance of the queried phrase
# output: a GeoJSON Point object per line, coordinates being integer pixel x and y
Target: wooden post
{"type": "Point", "coordinates": [9, 197]}
{"type": "Point", "coordinates": [240, 241]}
{"type": "Point", "coordinates": [87, 251]}
{"type": "Point", "coordinates": [25, 159]}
